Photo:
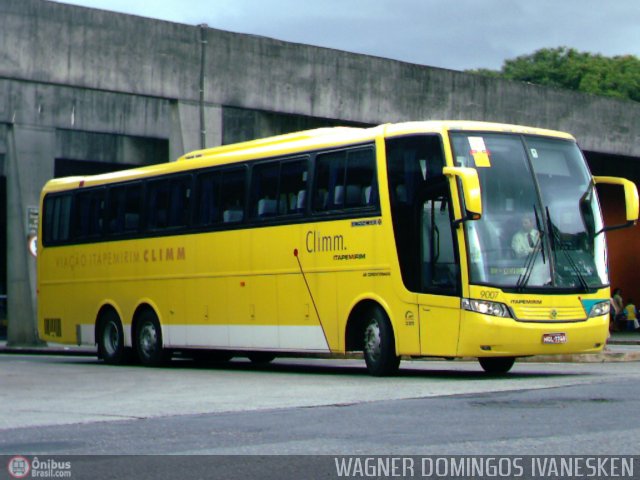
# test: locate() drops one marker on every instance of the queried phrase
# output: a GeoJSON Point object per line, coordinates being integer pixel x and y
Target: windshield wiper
{"type": "Point", "coordinates": [555, 239]}
{"type": "Point", "coordinates": [524, 277]}
{"type": "Point", "coordinates": [540, 230]}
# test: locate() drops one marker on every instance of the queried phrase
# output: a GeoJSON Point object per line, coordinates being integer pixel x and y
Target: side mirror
{"type": "Point", "coordinates": [470, 190]}
{"type": "Point", "coordinates": [630, 199]}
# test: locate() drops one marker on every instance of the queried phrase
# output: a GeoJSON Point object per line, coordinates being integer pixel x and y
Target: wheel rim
{"type": "Point", "coordinates": [372, 341]}
{"type": "Point", "coordinates": [111, 338]}
{"type": "Point", "coordinates": [148, 340]}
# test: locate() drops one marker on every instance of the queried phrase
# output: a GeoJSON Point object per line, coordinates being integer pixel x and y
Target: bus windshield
{"type": "Point", "coordinates": [541, 225]}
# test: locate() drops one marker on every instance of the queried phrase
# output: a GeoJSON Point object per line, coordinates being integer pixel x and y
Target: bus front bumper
{"type": "Point", "coordinates": [488, 336]}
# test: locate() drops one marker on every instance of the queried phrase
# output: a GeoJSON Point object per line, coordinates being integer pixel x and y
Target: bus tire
{"type": "Point", "coordinates": [496, 365]}
{"type": "Point", "coordinates": [110, 339]}
{"type": "Point", "coordinates": [149, 340]}
{"type": "Point", "coordinates": [379, 344]}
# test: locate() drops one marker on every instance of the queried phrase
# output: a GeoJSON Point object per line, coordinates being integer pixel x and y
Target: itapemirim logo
{"type": "Point", "coordinates": [19, 467]}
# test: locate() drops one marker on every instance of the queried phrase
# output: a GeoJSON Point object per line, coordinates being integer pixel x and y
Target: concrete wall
{"type": "Point", "coordinates": [91, 85]}
{"type": "Point", "coordinates": [47, 43]}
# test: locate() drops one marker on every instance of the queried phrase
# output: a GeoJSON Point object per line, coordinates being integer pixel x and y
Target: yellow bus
{"type": "Point", "coordinates": [422, 239]}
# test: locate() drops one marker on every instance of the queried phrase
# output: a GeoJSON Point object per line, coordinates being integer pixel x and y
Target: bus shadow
{"type": "Point", "coordinates": [434, 369]}
{"type": "Point", "coordinates": [429, 369]}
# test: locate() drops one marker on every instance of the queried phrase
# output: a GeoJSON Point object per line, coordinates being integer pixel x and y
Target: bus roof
{"type": "Point", "coordinates": [291, 144]}
{"type": "Point", "coordinates": [394, 129]}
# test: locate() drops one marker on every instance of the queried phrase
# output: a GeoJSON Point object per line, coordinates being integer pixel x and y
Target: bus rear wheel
{"type": "Point", "coordinates": [110, 339]}
{"type": "Point", "coordinates": [149, 340]}
{"type": "Point", "coordinates": [379, 344]}
{"type": "Point", "coordinates": [496, 365]}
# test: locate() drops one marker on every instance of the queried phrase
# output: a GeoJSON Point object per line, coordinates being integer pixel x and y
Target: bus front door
{"type": "Point", "coordinates": [439, 300]}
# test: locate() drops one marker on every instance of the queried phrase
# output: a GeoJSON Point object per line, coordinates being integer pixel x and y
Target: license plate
{"type": "Point", "coordinates": [554, 338]}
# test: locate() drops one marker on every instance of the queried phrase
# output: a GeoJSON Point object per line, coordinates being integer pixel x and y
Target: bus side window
{"type": "Point", "coordinates": [123, 212]}
{"type": "Point", "coordinates": [57, 218]}
{"type": "Point", "coordinates": [168, 202]}
{"type": "Point", "coordinates": [89, 211]}
{"type": "Point", "coordinates": [232, 194]}
{"type": "Point", "coordinates": [180, 206]}
{"type": "Point", "coordinates": [292, 192]}
{"type": "Point", "coordinates": [208, 203]}
{"type": "Point", "coordinates": [278, 188]}
{"type": "Point", "coordinates": [345, 179]}
{"type": "Point", "coordinates": [320, 193]}
{"type": "Point", "coordinates": [360, 178]}
{"type": "Point", "coordinates": [158, 201]}
{"type": "Point", "coordinates": [329, 180]}
{"type": "Point", "coordinates": [264, 190]}
{"type": "Point", "coordinates": [220, 196]}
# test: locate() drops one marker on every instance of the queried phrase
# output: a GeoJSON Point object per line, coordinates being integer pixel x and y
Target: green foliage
{"type": "Point", "coordinates": [581, 71]}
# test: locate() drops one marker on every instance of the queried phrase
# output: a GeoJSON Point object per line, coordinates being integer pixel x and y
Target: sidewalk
{"type": "Point", "coordinates": [50, 349]}
{"type": "Point", "coordinates": [621, 347]}
{"type": "Point", "coordinates": [624, 338]}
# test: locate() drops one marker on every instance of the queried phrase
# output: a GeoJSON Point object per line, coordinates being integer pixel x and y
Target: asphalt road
{"type": "Point", "coordinates": [78, 406]}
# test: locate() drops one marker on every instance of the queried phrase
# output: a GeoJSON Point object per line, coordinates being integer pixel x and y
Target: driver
{"type": "Point", "coordinates": [525, 239]}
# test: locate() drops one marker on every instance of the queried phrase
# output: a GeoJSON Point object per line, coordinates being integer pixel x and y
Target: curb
{"type": "Point", "coordinates": [603, 357]}
{"type": "Point", "coordinates": [71, 350]}
{"type": "Point", "coordinates": [58, 351]}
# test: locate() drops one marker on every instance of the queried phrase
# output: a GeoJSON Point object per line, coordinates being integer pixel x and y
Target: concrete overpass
{"type": "Point", "coordinates": [84, 89]}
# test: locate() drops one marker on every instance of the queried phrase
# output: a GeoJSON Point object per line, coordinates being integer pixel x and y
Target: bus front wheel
{"type": "Point", "coordinates": [110, 339]}
{"type": "Point", "coordinates": [496, 365]}
{"type": "Point", "coordinates": [149, 340]}
{"type": "Point", "coordinates": [379, 344]}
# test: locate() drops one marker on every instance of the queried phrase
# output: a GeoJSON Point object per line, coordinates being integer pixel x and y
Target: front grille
{"type": "Point", "coordinates": [549, 314]}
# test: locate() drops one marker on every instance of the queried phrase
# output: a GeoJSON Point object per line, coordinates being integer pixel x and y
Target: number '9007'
{"type": "Point", "coordinates": [488, 294]}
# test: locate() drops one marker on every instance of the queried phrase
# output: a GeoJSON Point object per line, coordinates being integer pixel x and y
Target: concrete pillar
{"type": "Point", "coordinates": [213, 125]}
{"type": "Point", "coordinates": [186, 130]}
{"type": "Point", "coordinates": [30, 162]}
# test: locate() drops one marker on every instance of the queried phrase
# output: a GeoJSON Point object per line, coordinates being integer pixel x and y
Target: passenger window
{"type": "Point", "coordinates": [57, 219]}
{"type": "Point", "coordinates": [232, 194]}
{"type": "Point", "coordinates": [360, 181]}
{"type": "Point", "coordinates": [345, 179]}
{"type": "Point", "coordinates": [123, 213]}
{"type": "Point", "coordinates": [220, 196]}
{"type": "Point", "coordinates": [329, 180]}
{"type": "Point", "coordinates": [264, 190]}
{"type": "Point", "coordinates": [168, 203]}
{"type": "Point", "coordinates": [180, 206]}
{"type": "Point", "coordinates": [293, 187]}
{"type": "Point", "coordinates": [279, 188]}
{"type": "Point", "coordinates": [89, 211]}
{"type": "Point", "coordinates": [159, 200]}
{"type": "Point", "coordinates": [209, 209]}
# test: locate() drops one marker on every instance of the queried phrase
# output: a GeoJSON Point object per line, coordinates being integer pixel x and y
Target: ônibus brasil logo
{"type": "Point", "coordinates": [19, 467]}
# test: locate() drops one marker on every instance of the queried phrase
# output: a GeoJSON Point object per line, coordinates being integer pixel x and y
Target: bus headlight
{"type": "Point", "coordinates": [485, 307]}
{"type": "Point", "coordinates": [601, 308]}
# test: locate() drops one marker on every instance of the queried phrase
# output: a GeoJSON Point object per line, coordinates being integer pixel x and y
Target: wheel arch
{"type": "Point", "coordinates": [144, 306]}
{"type": "Point", "coordinates": [357, 322]}
{"type": "Point", "coordinates": [102, 311]}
